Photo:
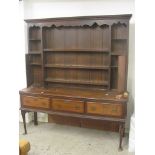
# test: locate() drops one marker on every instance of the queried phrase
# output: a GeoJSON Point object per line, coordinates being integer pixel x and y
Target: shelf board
{"type": "Point", "coordinates": [100, 83]}
{"type": "Point", "coordinates": [76, 66]}
{"type": "Point", "coordinates": [34, 52]}
{"type": "Point", "coordinates": [33, 39]}
{"type": "Point", "coordinates": [119, 39]}
{"type": "Point", "coordinates": [76, 50]}
{"type": "Point", "coordinates": [35, 64]}
{"type": "Point", "coordinates": [118, 53]}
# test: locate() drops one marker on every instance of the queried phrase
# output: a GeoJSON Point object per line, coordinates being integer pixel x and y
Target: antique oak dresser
{"type": "Point", "coordinates": [76, 67]}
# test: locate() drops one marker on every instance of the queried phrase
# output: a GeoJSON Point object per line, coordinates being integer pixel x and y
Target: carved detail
{"type": "Point", "coordinates": [34, 26]}
{"type": "Point", "coordinates": [68, 25]}
{"type": "Point", "coordinates": [119, 23]}
{"type": "Point", "coordinates": [92, 25]}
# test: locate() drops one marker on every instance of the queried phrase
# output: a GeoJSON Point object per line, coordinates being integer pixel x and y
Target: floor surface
{"type": "Point", "coordinates": [54, 139]}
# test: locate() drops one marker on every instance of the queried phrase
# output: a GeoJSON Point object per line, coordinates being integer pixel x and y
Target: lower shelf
{"type": "Point", "coordinates": [100, 83]}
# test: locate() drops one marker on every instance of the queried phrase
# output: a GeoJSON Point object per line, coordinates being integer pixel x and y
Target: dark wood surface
{"type": "Point", "coordinates": [86, 94]}
{"type": "Point", "coordinates": [77, 71]}
{"type": "Point", "coordinates": [37, 102]}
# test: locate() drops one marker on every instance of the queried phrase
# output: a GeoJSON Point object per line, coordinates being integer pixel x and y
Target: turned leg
{"type": "Point", "coordinates": [121, 132]}
{"type": "Point", "coordinates": [35, 118]}
{"type": "Point", "coordinates": [24, 122]}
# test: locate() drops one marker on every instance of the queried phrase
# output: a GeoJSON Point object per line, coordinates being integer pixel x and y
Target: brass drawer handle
{"type": "Point", "coordinates": [93, 108]}
{"type": "Point", "coordinates": [77, 107]}
{"type": "Point", "coordinates": [66, 101]}
{"type": "Point", "coordinates": [114, 110]}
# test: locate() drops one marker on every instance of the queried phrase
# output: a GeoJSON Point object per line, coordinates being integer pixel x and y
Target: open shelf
{"type": "Point", "coordinates": [34, 52]}
{"type": "Point", "coordinates": [119, 31]}
{"type": "Point", "coordinates": [89, 56]}
{"type": "Point", "coordinates": [114, 78]}
{"type": "Point", "coordinates": [118, 53]}
{"type": "Point", "coordinates": [76, 66]}
{"type": "Point", "coordinates": [119, 39]}
{"type": "Point", "coordinates": [34, 32]}
{"type": "Point", "coordinates": [84, 82]}
{"type": "Point", "coordinates": [75, 50]}
{"type": "Point", "coordinates": [34, 39]}
{"type": "Point", "coordinates": [35, 64]}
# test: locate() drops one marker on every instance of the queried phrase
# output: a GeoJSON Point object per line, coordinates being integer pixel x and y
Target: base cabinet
{"type": "Point", "coordinates": [105, 114]}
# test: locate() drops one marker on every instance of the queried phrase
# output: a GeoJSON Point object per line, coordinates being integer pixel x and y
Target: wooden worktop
{"type": "Point", "coordinates": [75, 93]}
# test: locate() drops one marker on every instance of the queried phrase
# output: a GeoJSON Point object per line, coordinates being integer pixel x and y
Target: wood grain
{"type": "Point", "coordinates": [36, 102]}
{"type": "Point", "coordinates": [105, 109]}
{"type": "Point", "coordinates": [68, 105]}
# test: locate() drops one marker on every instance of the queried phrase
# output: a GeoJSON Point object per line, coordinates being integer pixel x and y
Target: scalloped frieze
{"type": "Point", "coordinates": [59, 25]}
{"type": "Point", "coordinates": [96, 23]}
{"type": "Point", "coordinates": [119, 23]}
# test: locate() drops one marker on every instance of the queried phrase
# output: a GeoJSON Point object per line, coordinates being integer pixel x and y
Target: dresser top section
{"type": "Point", "coordinates": [76, 93]}
{"type": "Point", "coordinates": [61, 19]}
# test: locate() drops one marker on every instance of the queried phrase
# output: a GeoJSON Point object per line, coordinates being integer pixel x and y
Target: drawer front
{"type": "Point", "coordinates": [106, 109]}
{"type": "Point", "coordinates": [37, 102]}
{"type": "Point", "coordinates": [68, 105]}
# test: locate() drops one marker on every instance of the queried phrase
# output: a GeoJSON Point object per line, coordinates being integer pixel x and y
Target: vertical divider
{"type": "Point", "coordinates": [121, 71]}
{"type": "Point", "coordinates": [127, 57]}
{"type": "Point", "coordinates": [28, 75]}
{"type": "Point", "coordinates": [109, 78]}
{"type": "Point", "coordinates": [28, 34]}
{"type": "Point", "coordinates": [27, 57]}
{"type": "Point", "coordinates": [42, 57]}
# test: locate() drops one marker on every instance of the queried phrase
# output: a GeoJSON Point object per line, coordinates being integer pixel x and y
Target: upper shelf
{"type": "Point", "coordinates": [119, 39]}
{"type": "Point", "coordinates": [76, 50]}
{"type": "Point", "coordinates": [34, 52]}
{"type": "Point", "coordinates": [76, 66]}
{"type": "Point", "coordinates": [118, 53]}
{"type": "Point", "coordinates": [34, 39]}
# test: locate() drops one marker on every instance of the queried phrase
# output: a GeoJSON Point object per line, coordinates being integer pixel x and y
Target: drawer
{"type": "Point", "coordinates": [106, 109]}
{"type": "Point", "coordinates": [37, 102]}
{"type": "Point", "coordinates": [68, 105]}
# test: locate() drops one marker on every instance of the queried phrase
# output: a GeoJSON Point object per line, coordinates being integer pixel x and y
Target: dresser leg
{"type": "Point", "coordinates": [121, 132]}
{"type": "Point", "coordinates": [24, 122]}
{"type": "Point", "coordinates": [124, 132]}
{"type": "Point", "coordinates": [35, 118]}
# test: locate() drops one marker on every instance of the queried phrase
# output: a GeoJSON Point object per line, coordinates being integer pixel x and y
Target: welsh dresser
{"type": "Point", "coordinates": [76, 67]}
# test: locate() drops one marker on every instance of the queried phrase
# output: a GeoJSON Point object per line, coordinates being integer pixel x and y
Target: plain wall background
{"type": "Point", "coordinates": [66, 8]}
